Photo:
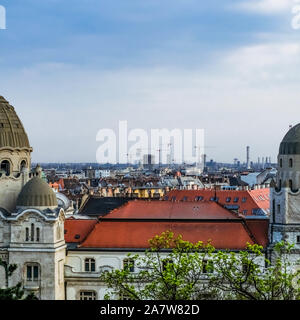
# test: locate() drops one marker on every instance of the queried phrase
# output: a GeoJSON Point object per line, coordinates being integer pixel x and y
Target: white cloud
{"type": "Point", "coordinates": [266, 61]}
{"type": "Point", "coordinates": [266, 6]}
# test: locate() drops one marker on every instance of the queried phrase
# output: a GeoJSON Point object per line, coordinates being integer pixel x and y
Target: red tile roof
{"type": "Point", "coordinates": [133, 224]}
{"type": "Point", "coordinates": [76, 230]}
{"type": "Point", "coordinates": [109, 234]}
{"type": "Point", "coordinates": [143, 209]}
{"type": "Point", "coordinates": [247, 200]}
{"type": "Point", "coordinates": [259, 229]}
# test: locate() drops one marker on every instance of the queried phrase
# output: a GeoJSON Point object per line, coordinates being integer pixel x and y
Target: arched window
{"type": "Point", "coordinates": [89, 265]}
{"type": "Point", "coordinates": [291, 163]}
{"type": "Point", "coordinates": [27, 234]}
{"type": "Point", "coordinates": [23, 165]}
{"type": "Point", "coordinates": [280, 163]}
{"type": "Point", "coordinates": [5, 167]}
{"type": "Point", "coordinates": [37, 234]}
{"type": "Point", "coordinates": [32, 232]}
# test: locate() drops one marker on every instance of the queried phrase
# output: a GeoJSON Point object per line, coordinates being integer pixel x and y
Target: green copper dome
{"type": "Point", "coordinates": [37, 193]}
{"type": "Point", "coordinates": [291, 141]}
{"type": "Point", "coordinates": [12, 133]}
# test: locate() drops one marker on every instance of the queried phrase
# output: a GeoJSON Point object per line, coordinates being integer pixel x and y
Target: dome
{"type": "Point", "coordinates": [291, 141]}
{"type": "Point", "coordinates": [12, 133]}
{"type": "Point", "coordinates": [37, 193]}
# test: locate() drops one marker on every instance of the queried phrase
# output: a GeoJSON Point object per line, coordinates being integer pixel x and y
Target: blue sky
{"type": "Point", "coordinates": [231, 67]}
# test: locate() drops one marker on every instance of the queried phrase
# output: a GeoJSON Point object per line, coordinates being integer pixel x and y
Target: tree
{"type": "Point", "coordinates": [169, 270]}
{"type": "Point", "coordinates": [248, 275]}
{"type": "Point", "coordinates": [174, 269]}
{"type": "Point", "coordinates": [16, 292]}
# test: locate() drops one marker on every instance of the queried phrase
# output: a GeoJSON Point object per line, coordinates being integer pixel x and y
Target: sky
{"type": "Point", "coordinates": [71, 68]}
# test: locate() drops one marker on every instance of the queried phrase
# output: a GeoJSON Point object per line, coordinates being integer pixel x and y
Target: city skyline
{"type": "Point", "coordinates": [228, 68]}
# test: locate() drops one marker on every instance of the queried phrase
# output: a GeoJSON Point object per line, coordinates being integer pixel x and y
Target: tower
{"type": "Point", "coordinates": [31, 222]}
{"type": "Point", "coordinates": [15, 153]}
{"type": "Point", "coordinates": [248, 157]}
{"type": "Point", "coordinates": [285, 196]}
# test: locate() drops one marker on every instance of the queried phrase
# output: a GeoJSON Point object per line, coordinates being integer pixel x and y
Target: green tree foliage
{"type": "Point", "coordinates": [174, 269]}
{"type": "Point", "coordinates": [248, 275]}
{"type": "Point", "coordinates": [168, 271]}
{"type": "Point", "coordinates": [16, 292]}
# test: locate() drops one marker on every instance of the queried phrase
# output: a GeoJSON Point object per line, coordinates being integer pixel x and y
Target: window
{"type": "Point", "coordinates": [87, 295]}
{"type": "Point", "coordinates": [291, 184]}
{"type": "Point", "coordinates": [278, 208]}
{"type": "Point", "coordinates": [244, 199]}
{"type": "Point", "coordinates": [207, 266]}
{"type": "Point", "coordinates": [236, 199]}
{"type": "Point", "coordinates": [89, 265]}
{"type": "Point", "coordinates": [32, 232]}
{"type": "Point", "coordinates": [128, 264]}
{"type": "Point", "coordinates": [298, 239]}
{"type": "Point", "coordinates": [32, 272]}
{"type": "Point", "coordinates": [37, 234]}
{"type": "Point", "coordinates": [273, 210]}
{"type": "Point", "coordinates": [291, 163]}
{"type": "Point", "coordinates": [27, 234]}
{"type": "Point", "coordinates": [280, 163]}
{"type": "Point", "coordinates": [23, 165]}
{"type": "Point", "coordinates": [184, 198]}
{"type": "Point", "coordinates": [198, 198]}
{"type": "Point", "coordinates": [166, 263]}
{"type": "Point", "coordinates": [124, 296]}
{"type": "Point", "coordinates": [228, 199]}
{"type": "Point", "coordinates": [5, 167]}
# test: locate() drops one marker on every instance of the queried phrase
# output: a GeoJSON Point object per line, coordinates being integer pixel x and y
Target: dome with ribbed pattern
{"type": "Point", "coordinates": [12, 132]}
{"type": "Point", "coordinates": [37, 193]}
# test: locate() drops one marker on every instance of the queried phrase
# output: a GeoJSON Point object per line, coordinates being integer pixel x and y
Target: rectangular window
{"type": "Point", "coordinates": [128, 264]}
{"type": "Point", "coordinates": [298, 239]}
{"type": "Point", "coordinates": [29, 273]}
{"type": "Point", "coordinates": [35, 273]}
{"type": "Point", "coordinates": [207, 266]}
{"type": "Point", "coordinates": [87, 295]}
{"type": "Point", "coordinates": [90, 265]}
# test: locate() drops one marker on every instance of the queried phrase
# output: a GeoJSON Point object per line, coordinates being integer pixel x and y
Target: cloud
{"type": "Point", "coordinates": [63, 106]}
{"type": "Point", "coordinates": [265, 6]}
{"type": "Point", "coordinates": [268, 61]}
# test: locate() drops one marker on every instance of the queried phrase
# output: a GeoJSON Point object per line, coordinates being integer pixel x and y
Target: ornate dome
{"type": "Point", "coordinates": [12, 133]}
{"type": "Point", "coordinates": [291, 141]}
{"type": "Point", "coordinates": [37, 193]}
